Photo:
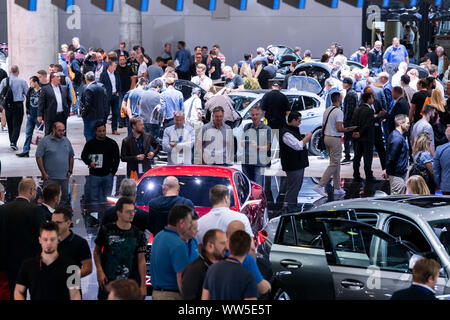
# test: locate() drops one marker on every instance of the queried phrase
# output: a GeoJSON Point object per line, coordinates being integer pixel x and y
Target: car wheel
{"type": "Point", "coordinates": [314, 143]}
{"type": "Point", "coordinates": [281, 295]}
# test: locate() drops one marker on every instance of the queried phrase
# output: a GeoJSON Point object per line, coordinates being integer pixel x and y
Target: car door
{"type": "Point", "coordinates": [365, 263]}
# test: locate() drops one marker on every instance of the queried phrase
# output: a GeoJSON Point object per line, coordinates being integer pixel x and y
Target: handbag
{"type": "Point", "coordinates": [321, 143]}
{"type": "Point", "coordinates": [425, 174]}
{"type": "Point", "coordinates": [38, 135]}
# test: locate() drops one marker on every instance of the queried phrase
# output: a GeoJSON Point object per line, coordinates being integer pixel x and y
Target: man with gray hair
{"type": "Point", "coordinates": [178, 141]}
{"type": "Point", "coordinates": [159, 208]}
{"type": "Point", "coordinates": [441, 165]}
{"type": "Point", "coordinates": [260, 56]}
{"type": "Point", "coordinates": [443, 62]}
{"type": "Point", "coordinates": [128, 189]}
{"type": "Point", "coordinates": [193, 109]}
{"type": "Point", "coordinates": [93, 104]}
{"type": "Point", "coordinates": [149, 100]}
{"type": "Point", "coordinates": [434, 73]}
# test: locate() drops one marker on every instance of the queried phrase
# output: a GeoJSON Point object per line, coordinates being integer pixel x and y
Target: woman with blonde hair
{"type": "Point", "coordinates": [417, 185]}
{"type": "Point", "coordinates": [437, 100]}
{"type": "Point", "coordinates": [422, 160]}
{"type": "Point", "coordinates": [414, 78]}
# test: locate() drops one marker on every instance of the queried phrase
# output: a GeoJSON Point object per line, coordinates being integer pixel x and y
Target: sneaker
{"type": "Point", "coordinates": [14, 147]}
{"type": "Point", "coordinates": [339, 192]}
{"type": "Point", "coordinates": [320, 190]}
{"type": "Point", "coordinates": [346, 161]}
{"type": "Point", "coordinates": [23, 155]}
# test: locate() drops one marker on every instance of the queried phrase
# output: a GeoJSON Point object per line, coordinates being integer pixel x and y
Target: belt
{"type": "Point", "coordinates": [164, 290]}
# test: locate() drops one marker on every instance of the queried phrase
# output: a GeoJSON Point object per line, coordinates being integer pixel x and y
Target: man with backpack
{"type": "Point", "coordinates": [13, 92]}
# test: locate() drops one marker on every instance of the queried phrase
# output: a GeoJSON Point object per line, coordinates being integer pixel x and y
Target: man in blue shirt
{"type": "Point", "coordinates": [134, 100]}
{"type": "Point", "coordinates": [169, 255]}
{"type": "Point", "coordinates": [248, 60]}
{"type": "Point", "coordinates": [182, 61]}
{"type": "Point", "coordinates": [396, 53]}
{"type": "Point", "coordinates": [441, 165]}
{"type": "Point", "coordinates": [171, 101]}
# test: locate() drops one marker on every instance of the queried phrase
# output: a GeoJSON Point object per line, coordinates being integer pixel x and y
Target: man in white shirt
{"type": "Point", "coordinates": [220, 215]}
{"type": "Point", "coordinates": [396, 78]}
{"type": "Point", "coordinates": [142, 71]}
{"type": "Point", "coordinates": [201, 79]}
{"type": "Point", "coordinates": [178, 141]}
{"type": "Point", "coordinates": [193, 109]}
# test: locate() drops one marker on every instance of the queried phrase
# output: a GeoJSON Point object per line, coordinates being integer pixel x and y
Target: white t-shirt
{"type": "Point", "coordinates": [336, 116]}
{"type": "Point", "coordinates": [205, 83]}
{"type": "Point", "coordinates": [219, 218]}
{"type": "Point", "coordinates": [142, 69]}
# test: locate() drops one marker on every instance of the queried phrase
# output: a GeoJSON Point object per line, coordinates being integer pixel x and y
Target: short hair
{"type": "Point", "coordinates": [213, 52]}
{"type": "Point", "coordinates": [256, 107]}
{"type": "Point", "coordinates": [329, 82]}
{"type": "Point", "coordinates": [48, 226]}
{"type": "Point", "coordinates": [270, 59]}
{"type": "Point", "coordinates": [135, 120]}
{"type": "Point", "coordinates": [335, 96]}
{"type": "Point", "coordinates": [218, 109]}
{"type": "Point", "coordinates": [427, 109]}
{"type": "Point", "coordinates": [260, 50]}
{"type": "Point", "coordinates": [425, 268]}
{"type": "Point", "coordinates": [99, 124]}
{"type": "Point", "coordinates": [400, 119]}
{"type": "Point", "coordinates": [157, 83]}
{"type": "Point", "coordinates": [76, 39]}
{"type": "Point", "coordinates": [398, 90]}
{"type": "Point", "coordinates": [50, 192]}
{"type": "Point", "coordinates": [14, 69]}
{"type": "Point", "coordinates": [123, 201]}
{"type": "Point", "coordinates": [196, 91]}
{"type": "Point", "coordinates": [210, 236]}
{"type": "Point", "coordinates": [26, 184]}
{"type": "Point", "coordinates": [111, 62]}
{"type": "Point", "coordinates": [178, 113]}
{"type": "Point", "coordinates": [240, 243]}
{"type": "Point", "coordinates": [423, 83]}
{"type": "Point", "coordinates": [366, 96]}
{"type": "Point", "coordinates": [201, 66]}
{"type": "Point", "coordinates": [384, 75]}
{"type": "Point", "coordinates": [125, 289]}
{"type": "Point", "coordinates": [34, 79]}
{"type": "Point", "coordinates": [68, 215]}
{"type": "Point", "coordinates": [205, 47]}
{"type": "Point", "coordinates": [170, 81]}
{"type": "Point", "coordinates": [42, 73]}
{"type": "Point", "coordinates": [432, 69]}
{"type": "Point", "coordinates": [59, 67]}
{"type": "Point", "coordinates": [182, 43]}
{"type": "Point", "coordinates": [247, 56]}
{"type": "Point", "coordinates": [142, 82]}
{"type": "Point", "coordinates": [128, 188]}
{"type": "Point", "coordinates": [159, 59]}
{"type": "Point", "coordinates": [307, 53]}
{"type": "Point", "coordinates": [294, 115]}
{"type": "Point", "coordinates": [216, 46]}
{"type": "Point", "coordinates": [90, 76]}
{"type": "Point", "coordinates": [178, 213]}
{"type": "Point", "coordinates": [405, 79]}
{"type": "Point", "coordinates": [218, 193]}
{"type": "Point", "coordinates": [227, 68]}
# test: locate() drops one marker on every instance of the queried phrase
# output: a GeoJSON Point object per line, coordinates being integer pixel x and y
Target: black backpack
{"type": "Point", "coordinates": [6, 96]}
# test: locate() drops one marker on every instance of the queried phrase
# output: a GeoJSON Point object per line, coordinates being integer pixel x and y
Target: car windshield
{"type": "Point", "coordinates": [241, 102]}
{"type": "Point", "coordinates": [194, 188]}
{"type": "Point", "coordinates": [442, 230]}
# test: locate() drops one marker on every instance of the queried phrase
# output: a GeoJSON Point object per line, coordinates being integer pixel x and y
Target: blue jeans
{"type": "Point", "coordinates": [31, 124]}
{"type": "Point", "coordinates": [254, 173]}
{"type": "Point", "coordinates": [76, 88]}
{"type": "Point", "coordinates": [153, 129]}
{"type": "Point", "coordinates": [115, 110]}
{"type": "Point", "coordinates": [100, 187]}
{"type": "Point", "coordinates": [89, 133]}
{"type": "Point", "coordinates": [376, 70]}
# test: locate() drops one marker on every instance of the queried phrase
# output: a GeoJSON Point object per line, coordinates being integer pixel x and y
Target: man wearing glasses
{"type": "Point", "coordinates": [54, 157]}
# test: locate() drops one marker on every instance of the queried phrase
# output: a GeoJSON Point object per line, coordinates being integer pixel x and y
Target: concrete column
{"type": "Point", "coordinates": [32, 37]}
{"type": "Point", "coordinates": [130, 25]}
{"type": "Point", "coordinates": [391, 30]}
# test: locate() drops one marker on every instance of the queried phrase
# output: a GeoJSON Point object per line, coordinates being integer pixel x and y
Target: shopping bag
{"type": "Point", "coordinates": [38, 135]}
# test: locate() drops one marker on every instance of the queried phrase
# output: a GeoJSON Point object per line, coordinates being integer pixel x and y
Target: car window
{"type": "Point", "coordinates": [310, 103]}
{"type": "Point", "coordinates": [242, 187]}
{"type": "Point", "coordinates": [286, 234]}
{"type": "Point", "coordinates": [442, 230]}
{"type": "Point", "coordinates": [309, 232]}
{"type": "Point", "coordinates": [296, 103]}
{"type": "Point", "coordinates": [241, 103]}
{"type": "Point", "coordinates": [409, 234]}
{"type": "Point", "coordinates": [367, 217]}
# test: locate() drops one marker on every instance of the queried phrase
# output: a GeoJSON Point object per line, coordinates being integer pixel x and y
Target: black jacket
{"type": "Point", "coordinates": [363, 117]}
{"type": "Point", "coordinates": [292, 160]}
{"type": "Point", "coordinates": [401, 107]}
{"type": "Point", "coordinates": [350, 104]}
{"type": "Point", "coordinates": [414, 292]}
{"type": "Point", "coordinates": [379, 96]}
{"type": "Point", "coordinates": [44, 212]}
{"type": "Point", "coordinates": [129, 151]}
{"type": "Point", "coordinates": [375, 59]}
{"type": "Point", "coordinates": [94, 100]}
{"type": "Point", "coordinates": [48, 104]}
{"type": "Point", "coordinates": [104, 79]}
{"type": "Point", "coordinates": [111, 156]}
{"type": "Point", "coordinates": [397, 155]}
{"type": "Point", "coordinates": [19, 234]}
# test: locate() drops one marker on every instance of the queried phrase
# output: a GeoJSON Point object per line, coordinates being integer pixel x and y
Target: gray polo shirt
{"type": "Point", "coordinates": [55, 154]}
{"type": "Point", "coordinates": [217, 144]}
{"type": "Point", "coordinates": [18, 86]}
{"type": "Point", "coordinates": [147, 103]}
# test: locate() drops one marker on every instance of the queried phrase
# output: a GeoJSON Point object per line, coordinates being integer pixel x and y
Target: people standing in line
{"type": "Point", "coordinates": [425, 276]}
{"type": "Point", "coordinates": [294, 157]}
{"type": "Point", "coordinates": [363, 137]}
{"type": "Point", "coordinates": [148, 102]}
{"type": "Point", "coordinates": [111, 80]}
{"type": "Point", "coordinates": [423, 160]}
{"type": "Point", "coordinates": [397, 160]}
{"type": "Point", "coordinates": [213, 250]}
{"type": "Point", "coordinates": [256, 141]}
{"type": "Point", "coordinates": [14, 109]}
{"type": "Point", "coordinates": [171, 100]}
{"type": "Point", "coordinates": [170, 256]}
{"type": "Point", "coordinates": [178, 141]}
{"type": "Point", "coordinates": [159, 208]}
{"type": "Point", "coordinates": [182, 61]}
{"type": "Point", "coordinates": [102, 156]}
{"type": "Point", "coordinates": [228, 279]}
{"type": "Point", "coordinates": [51, 196]}
{"type": "Point", "coordinates": [401, 106]}
{"type": "Point", "coordinates": [71, 245]}
{"type": "Point", "coordinates": [124, 289]}
{"type": "Point", "coordinates": [220, 215]}
{"type": "Point", "coordinates": [423, 125]}
{"type": "Point", "coordinates": [332, 128]}
{"type": "Point", "coordinates": [32, 104]}
{"type": "Point", "coordinates": [441, 165]}
{"type": "Point", "coordinates": [19, 231]}
{"type": "Point", "coordinates": [94, 102]}
{"type": "Point", "coordinates": [138, 149]}
{"type": "Point", "coordinates": [47, 275]}
{"type": "Point", "coordinates": [54, 104]}
{"type": "Point", "coordinates": [349, 106]}
{"type": "Point", "coordinates": [55, 158]}
{"type": "Point", "coordinates": [120, 250]}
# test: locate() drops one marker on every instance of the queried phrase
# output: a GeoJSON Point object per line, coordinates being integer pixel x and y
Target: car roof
{"type": "Point", "coordinates": [262, 91]}
{"type": "Point", "coordinates": [209, 171]}
{"type": "Point", "coordinates": [428, 208]}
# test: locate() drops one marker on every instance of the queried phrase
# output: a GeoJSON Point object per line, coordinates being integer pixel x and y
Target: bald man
{"type": "Point", "coordinates": [19, 230]}
{"type": "Point", "coordinates": [159, 208]}
{"type": "Point", "coordinates": [250, 260]}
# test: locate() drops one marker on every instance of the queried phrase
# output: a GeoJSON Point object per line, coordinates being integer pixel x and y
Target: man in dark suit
{"type": "Point", "coordinates": [401, 106]}
{"type": "Point", "coordinates": [54, 103]}
{"type": "Point", "coordinates": [122, 50]}
{"type": "Point", "coordinates": [94, 103]}
{"type": "Point", "coordinates": [19, 231]}
{"type": "Point", "coordinates": [51, 196]}
{"type": "Point", "coordinates": [138, 149]}
{"type": "Point", "coordinates": [425, 276]}
{"type": "Point", "coordinates": [363, 136]}
{"type": "Point", "coordinates": [110, 78]}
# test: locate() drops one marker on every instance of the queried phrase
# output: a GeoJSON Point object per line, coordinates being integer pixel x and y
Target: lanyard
{"type": "Point", "coordinates": [180, 137]}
